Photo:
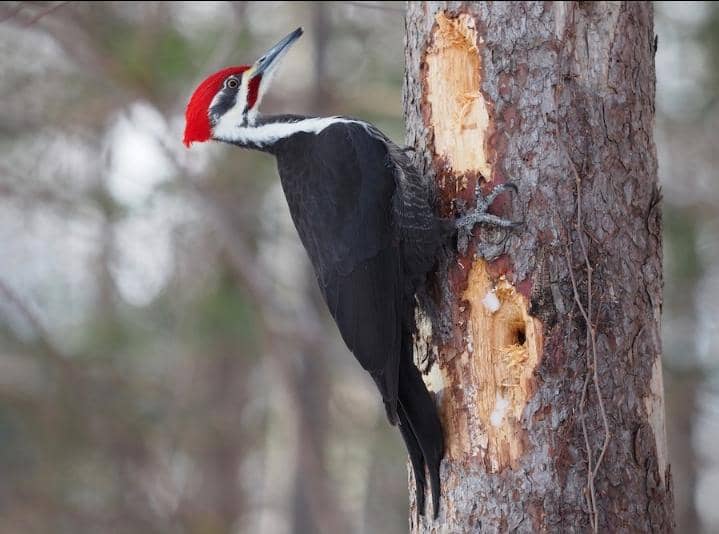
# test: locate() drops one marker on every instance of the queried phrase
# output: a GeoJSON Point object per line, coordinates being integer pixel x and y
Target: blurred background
{"type": "Point", "coordinates": [165, 362]}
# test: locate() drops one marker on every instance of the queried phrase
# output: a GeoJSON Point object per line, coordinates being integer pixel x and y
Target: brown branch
{"type": "Point", "coordinates": [582, 403]}
{"type": "Point", "coordinates": [44, 12]}
{"type": "Point", "coordinates": [10, 13]}
{"type": "Point", "coordinates": [592, 358]}
{"type": "Point", "coordinates": [28, 20]}
{"type": "Point", "coordinates": [590, 324]}
{"type": "Point", "coordinates": [376, 5]}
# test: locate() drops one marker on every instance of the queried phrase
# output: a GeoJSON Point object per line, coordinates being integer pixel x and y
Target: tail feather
{"type": "Point", "coordinates": [420, 411]}
{"type": "Point", "coordinates": [415, 456]}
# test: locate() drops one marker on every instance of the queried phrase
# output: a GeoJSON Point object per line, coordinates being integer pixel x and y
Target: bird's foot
{"type": "Point", "coordinates": [479, 215]}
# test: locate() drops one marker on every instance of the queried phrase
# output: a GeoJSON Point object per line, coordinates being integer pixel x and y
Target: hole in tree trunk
{"type": "Point", "coordinates": [519, 336]}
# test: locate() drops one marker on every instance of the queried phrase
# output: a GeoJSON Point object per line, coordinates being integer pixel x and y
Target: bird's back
{"type": "Point", "coordinates": [353, 193]}
{"type": "Point", "coordinates": [366, 220]}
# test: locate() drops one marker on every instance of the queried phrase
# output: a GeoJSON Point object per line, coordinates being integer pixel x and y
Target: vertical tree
{"type": "Point", "coordinates": [544, 353]}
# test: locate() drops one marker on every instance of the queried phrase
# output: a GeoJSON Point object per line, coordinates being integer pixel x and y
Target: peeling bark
{"type": "Point", "coordinates": [559, 99]}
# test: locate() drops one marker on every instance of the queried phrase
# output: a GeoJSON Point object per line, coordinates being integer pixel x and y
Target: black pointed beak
{"type": "Point", "coordinates": [275, 53]}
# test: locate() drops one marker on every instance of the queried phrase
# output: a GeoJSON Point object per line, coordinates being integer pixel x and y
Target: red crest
{"type": "Point", "coordinates": [197, 120]}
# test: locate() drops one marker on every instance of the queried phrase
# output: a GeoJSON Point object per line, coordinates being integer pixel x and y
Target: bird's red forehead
{"type": "Point", "coordinates": [197, 120]}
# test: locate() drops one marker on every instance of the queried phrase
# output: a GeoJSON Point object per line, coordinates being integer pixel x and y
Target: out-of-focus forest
{"type": "Point", "coordinates": [166, 364]}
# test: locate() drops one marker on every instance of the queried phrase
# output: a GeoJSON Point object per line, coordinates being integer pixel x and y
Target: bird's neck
{"type": "Point", "coordinates": [266, 132]}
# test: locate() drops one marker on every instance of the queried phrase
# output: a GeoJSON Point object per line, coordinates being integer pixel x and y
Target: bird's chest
{"type": "Point", "coordinates": [323, 200]}
{"type": "Point", "coordinates": [321, 188]}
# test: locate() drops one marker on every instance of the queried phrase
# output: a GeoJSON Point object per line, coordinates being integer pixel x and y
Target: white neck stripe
{"type": "Point", "coordinates": [267, 134]}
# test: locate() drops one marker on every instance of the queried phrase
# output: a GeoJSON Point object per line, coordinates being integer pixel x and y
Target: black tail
{"type": "Point", "coordinates": [421, 429]}
{"type": "Point", "coordinates": [415, 456]}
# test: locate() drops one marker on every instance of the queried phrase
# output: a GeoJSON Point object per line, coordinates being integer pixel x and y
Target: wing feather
{"type": "Point", "coordinates": [343, 210]}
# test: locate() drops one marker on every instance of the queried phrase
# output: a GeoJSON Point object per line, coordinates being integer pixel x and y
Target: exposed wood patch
{"type": "Point", "coordinates": [459, 111]}
{"type": "Point", "coordinates": [504, 346]}
{"type": "Point", "coordinates": [654, 404]}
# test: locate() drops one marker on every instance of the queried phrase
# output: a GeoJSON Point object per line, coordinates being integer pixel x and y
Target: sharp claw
{"type": "Point", "coordinates": [479, 214]}
{"type": "Point", "coordinates": [498, 190]}
{"type": "Point", "coordinates": [512, 186]}
{"type": "Point", "coordinates": [484, 218]}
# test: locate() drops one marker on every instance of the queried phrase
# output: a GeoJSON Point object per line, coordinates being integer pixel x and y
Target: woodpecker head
{"type": "Point", "coordinates": [230, 98]}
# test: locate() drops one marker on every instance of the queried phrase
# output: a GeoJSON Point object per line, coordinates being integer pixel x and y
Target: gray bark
{"type": "Point", "coordinates": [545, 355]}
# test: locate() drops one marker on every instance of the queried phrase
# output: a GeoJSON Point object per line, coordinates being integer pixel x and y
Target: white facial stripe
{"type": "Point", "coordinates": [242, 93]}
{"type": "Point", "coordinates": [230, 128]}
{"type": "Point", "coordinates": [235, 111]}
{"type": "Point", "coordinates": [232, 116]}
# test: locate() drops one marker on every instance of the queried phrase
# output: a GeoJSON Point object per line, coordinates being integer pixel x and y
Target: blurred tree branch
{"type": "Point", "coordinates": [34, 322]}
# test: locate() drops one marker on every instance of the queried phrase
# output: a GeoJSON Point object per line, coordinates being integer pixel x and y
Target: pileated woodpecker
{"type": "Point", "coordinates": [365, 216]}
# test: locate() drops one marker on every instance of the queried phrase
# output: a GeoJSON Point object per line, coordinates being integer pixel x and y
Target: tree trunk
{"type": "Point", "coordinates": [545, 360]}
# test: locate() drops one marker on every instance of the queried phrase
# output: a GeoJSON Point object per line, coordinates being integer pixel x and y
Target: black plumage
{"type": "Point", "coordinates": [366, 219]}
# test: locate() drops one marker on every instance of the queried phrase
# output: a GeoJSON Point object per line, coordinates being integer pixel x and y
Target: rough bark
{"type": "Point", "coordinates": [545, 360]}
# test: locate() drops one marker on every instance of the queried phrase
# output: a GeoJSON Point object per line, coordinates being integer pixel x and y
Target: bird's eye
{"type": "Point", "coordinates": [232, 83]}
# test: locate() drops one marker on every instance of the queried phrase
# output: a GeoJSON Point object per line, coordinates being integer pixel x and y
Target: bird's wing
{"type": "Point", "coordinates": [347, 227]}
{"type": "Point", "coordinates": [365, 304]}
